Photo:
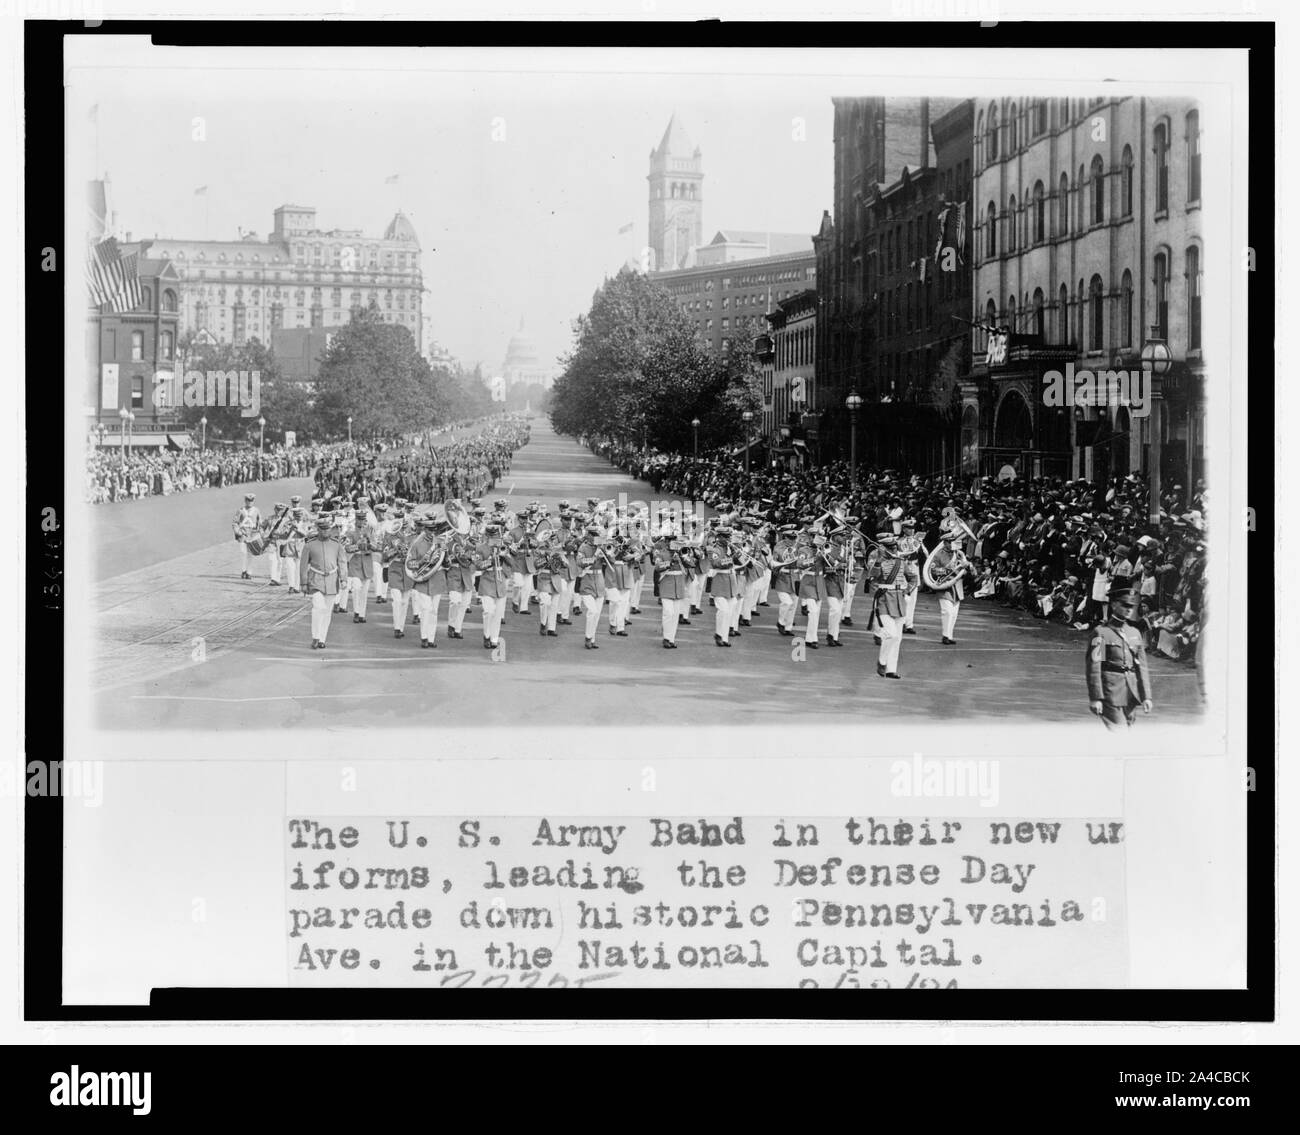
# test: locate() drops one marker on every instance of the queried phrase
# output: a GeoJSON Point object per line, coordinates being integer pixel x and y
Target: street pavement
{"type": "Point", "coordinates": [182, 643]}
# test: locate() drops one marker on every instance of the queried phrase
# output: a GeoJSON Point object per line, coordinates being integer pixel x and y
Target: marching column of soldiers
{"type": "Point", "coordinates": [592, 562]}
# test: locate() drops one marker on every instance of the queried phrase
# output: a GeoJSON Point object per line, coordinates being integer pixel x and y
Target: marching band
{"type": "Point", "coordinates": [599, 559]}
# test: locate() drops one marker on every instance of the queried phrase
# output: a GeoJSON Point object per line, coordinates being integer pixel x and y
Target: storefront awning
{"type": "Point", "coordinates": [138, 441]}
{"type": "Point", "coordinates": [180, 441]}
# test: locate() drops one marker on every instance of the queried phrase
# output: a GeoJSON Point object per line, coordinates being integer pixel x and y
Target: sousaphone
{"type": "Point", "coordinates": [458, 516]}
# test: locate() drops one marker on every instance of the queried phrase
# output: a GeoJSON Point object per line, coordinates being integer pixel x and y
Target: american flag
{"type": "Point", "coordinates": [112, 278]}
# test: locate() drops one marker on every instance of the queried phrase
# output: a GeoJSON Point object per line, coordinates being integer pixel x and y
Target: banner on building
{"type": "Point", "coordinates": [108, 386]}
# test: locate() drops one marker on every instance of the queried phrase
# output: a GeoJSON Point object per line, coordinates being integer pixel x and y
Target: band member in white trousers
{"type": "Point", "coordinates": [948, 561]}
{"type": "Point", "coordinates": [320, 565]}
{"type": "Point", "coordinates": [891, 576]}
{"type": "Point", "coordinates": [248, 520]}
{"type": "Point", "coordinates": [591, 592]}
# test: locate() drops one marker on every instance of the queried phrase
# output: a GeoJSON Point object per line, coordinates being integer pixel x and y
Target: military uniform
{"type": "Point", "coordinates": [493, 586]}
{"type": "Point", "coordinates": [321, 566]}
{"type": "Point", "coordinates": [812, 593]}
{"type": "Point", "coordinates": [911, 547]}
{"type": "Point", "coordinates": [891, 577]}
{"type": "Point", "coordinates": [672, 588]}
{"type": "Point", "coordinates": [426, 594]}
{"type": "Point", "coordinates": [725, 589]}
{"type": "Point", "coordinates": [247, 522]}
{"type": "Point", "coordinates": [783, 581]}
{"type": "Point", "coordinates": [591, 589]}
{"type": "Point", "coordinates": [1117, 669]}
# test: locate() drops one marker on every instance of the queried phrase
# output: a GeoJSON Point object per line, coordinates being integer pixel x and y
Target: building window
{"type": "Point", "coordinates": [991, 139]}
{"type": "Point", "coordinates": [1097, 312]}
{"type": "Point", "coordinates": [1039, 327]}
{"type": "Point", "coordinates": [1063, 207]}
{"type": "Point", "coordinates": [991, 234]}
{"type": "Point", "coordinates": [1040, 212]}
{"type": "Point", "coordinates": [1193, 156]}
{"type": "Point", "coordinates": [1062, 112]}
{"type": "Point", "coordinates": [300, 297]}
{"type": "Point", "coordinates": [1011, 314]}
{"type": "Point", "coordinates": [1126, 182]}
{"type": "Point", "coordinates": [137, 346]}
{"type": "Point", "coordinates": [1040, 117]}
{"type": "Point", "coordinates": [1161, 282]}
{"type": "Point", "coordinates": [1161, 147]}
{"type": "Point", "coordinates": [1126, 309]}
{"type": "Point", "coordinates": [165, 344]}
{"type": "Point", "coordinates": [1193, 298]}
{"type": "Point", "coordinates": [137, 392]}
{"type": "Point", "coordinates": [1063, 316]}
{"type": "Point", "coordinates": [1078, 315]}
{"type": "Point", "coordinates": [990, 320]}
{"type": "Point", "coordinates": [1081, 214]}
{"type": "Point", "coordinates": [1098, 179]}
{"type": "Point", "coordinates": [1011, 225]}
{"type": "Point", "coordinates": [1013, 139]}
{"type": "Point", "coordinates": [146, 298]}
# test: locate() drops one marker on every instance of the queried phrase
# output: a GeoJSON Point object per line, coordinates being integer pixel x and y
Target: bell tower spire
{"type": "Point", "coordinates": [676, 180]}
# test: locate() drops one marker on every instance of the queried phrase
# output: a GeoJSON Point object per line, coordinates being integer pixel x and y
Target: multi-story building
{"type": "Point", "coordinates": [788, 355]}
{"type": "Point", "coordinates": [298, 277]}
{"type": "Point", "coordinates": [739, 274]}
{"type": "Point", "coordinates": [1087, 250]}
{"type": "Point", "coordinates": [124, 351]}
{"type": "Point", "coordinates": [722, 298]}
{"type": "Point", "coordinates": [884, 182]}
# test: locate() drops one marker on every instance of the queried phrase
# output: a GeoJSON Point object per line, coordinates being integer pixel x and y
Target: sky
{"type": "Point", "coordinates": [517, 182]}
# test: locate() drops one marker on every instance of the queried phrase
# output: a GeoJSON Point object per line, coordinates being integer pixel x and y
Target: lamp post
{"type": "Point", "coordinates": [121, 446]}
{"type": "Point", "coordinates": [695, 431]}
{"type": "Point", "coordinates": [261, 444]}
{"type": "Point", "coordinates": [203, 443]}
{"type": "Point", "coordinates": [99, 429]}
{"type": "Point", "coordinates": [130, 429]}
{"type": "Point", "coordinates": [349, 429]}
{"type": "Point", "coordinates": [1156, 358]}
{"type": "Point", "coordinates": [747, 417]}
{"type": "Point", "coordinates": [854, 404]}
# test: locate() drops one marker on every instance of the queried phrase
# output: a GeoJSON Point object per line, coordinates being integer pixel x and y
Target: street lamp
{"type": "Point", "coordinates": [854, 404]}
{"type": "Point", "coordinates": [99, 429]}
{"type": "Point", "coordinates": [695, 430]}
{"type": "Point", "coordinates": [747, 417]}
{"type": "Point", "coordinates": [349, 429]}
{"type": "Point", "coordinates": [261, 444]}
{"type": "Point", "coordinates": [1156, 359]}
{"type": "Point", "coordinates": [121, 446]}
{"type": "Point", "coordinates": [203, 443]}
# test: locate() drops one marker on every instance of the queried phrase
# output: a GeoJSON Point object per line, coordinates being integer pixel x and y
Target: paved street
{"type": "Point", "coordinates": [183, 643]}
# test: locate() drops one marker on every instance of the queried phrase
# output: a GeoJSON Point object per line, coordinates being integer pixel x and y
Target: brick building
{"type": "Point", "coordinates": [1087, 249]}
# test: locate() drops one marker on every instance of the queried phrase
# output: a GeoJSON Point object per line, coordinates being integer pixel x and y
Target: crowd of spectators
{"type": "Point", "coordinates": [1047, 545]}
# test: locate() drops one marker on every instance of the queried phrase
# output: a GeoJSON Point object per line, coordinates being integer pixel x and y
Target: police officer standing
{"type": "Point", "coordinates": [1118, 681]}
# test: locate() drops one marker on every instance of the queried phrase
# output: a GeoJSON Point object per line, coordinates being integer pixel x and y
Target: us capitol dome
{"type": "Point", "coordinates": [523, 362]}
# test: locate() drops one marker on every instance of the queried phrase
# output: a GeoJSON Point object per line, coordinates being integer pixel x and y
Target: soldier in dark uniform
{"type": "Point", "coordinates": [1118, 681]}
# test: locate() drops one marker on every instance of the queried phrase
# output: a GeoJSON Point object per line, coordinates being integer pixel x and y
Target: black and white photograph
{"type": "Point", "coordinates": [728, 519]}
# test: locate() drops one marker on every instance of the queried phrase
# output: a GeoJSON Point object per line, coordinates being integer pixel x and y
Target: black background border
{"type": "Point", "coordinates": [43, 836]}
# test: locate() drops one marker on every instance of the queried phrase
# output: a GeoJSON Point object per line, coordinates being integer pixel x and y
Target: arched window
{"type": "Point", "coordinates": [1063, 316]}
{"type": "Point", "coordinates": [1160, 281]}
{"type": "Point", "coordinates": [979, 133]}
{"type": "Point", "coordinates": [1013, 139]}
{"type": "Point", "coordinates": [991, 232]}
{"type": "Point", "coordinates": [1096, 311]}
{"type": "Point", "coordinates": [1081, 216]}
{"type": "Point", "coordinates": [169, 300]}
{"type": "Point", "coordinates": [1011, 313]}
{"type": "Point", "coordinates": [1040, 213]}
{"type": "Point", "coordinates": [1063, 206]}
{"type": "Point", "coordinates": [1098, 178]}
{"type": "Point", "coordinates": [1126, 309]}
{"type": "Point", "coordinates": [991, 141]}
{"type": "Point", "coordinates": [166, 345]}
{"type": "Point", "coordinates": [1193, 155]}
{"type": "Point", "coordinates": [990, 320]}
{"type": "Point", "coordinates": [1062, 112]}
{"type": "Point", "coordinates": [1126, 182]}
{"type": "Point", "coordinates": [1193, 260]}
{"type": "Point", "coordinates": [1078, 315]}
{"type": "Point", "coordinates": [146, 298]}
{"type": "Point", "coordinates": [1011, 225]}
{"type": "Point", "coordinates": [1040, 327]}
{"type": "Point", "coordinates": [1160, 144]}
{"type": "Point", "coordinates": [137, 346]}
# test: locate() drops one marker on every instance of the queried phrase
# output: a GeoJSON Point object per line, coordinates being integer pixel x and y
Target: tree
{"type": "Point", "coordinates": [372, 373]}
{"type": "Point", "coordinates": [637, 370]}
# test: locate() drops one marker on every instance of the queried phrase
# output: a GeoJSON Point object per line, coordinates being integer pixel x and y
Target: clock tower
{"type": "Point", "coordinates": [676, 198]}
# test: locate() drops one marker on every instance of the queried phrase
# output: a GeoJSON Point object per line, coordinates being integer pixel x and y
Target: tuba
{"type": "Point", "coordinates": [940, 577]}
